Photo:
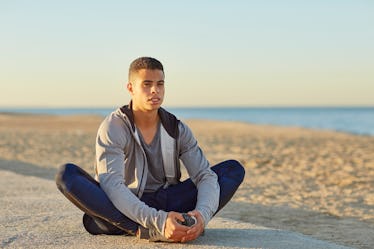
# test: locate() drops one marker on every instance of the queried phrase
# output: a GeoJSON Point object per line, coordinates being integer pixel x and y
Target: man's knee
{"type": "Point", "coordinates": [236, 169]}
{"type": "Point", "coordinates": [231, 169]}
{"type": "Point", "coordinates": [64, 173]}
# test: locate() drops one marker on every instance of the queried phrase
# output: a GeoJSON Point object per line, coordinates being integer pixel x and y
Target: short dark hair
{"type": "Point", "coordinates": [145, 63]}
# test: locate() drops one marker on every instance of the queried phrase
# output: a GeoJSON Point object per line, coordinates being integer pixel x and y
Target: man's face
{"type": "Point", "coordinates": [147, 90]}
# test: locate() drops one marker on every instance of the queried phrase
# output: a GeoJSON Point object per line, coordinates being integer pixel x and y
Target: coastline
{"type": "Point", "coordinates": [318, 183]}
{"type": "Point", "coordinates": [357, 120]}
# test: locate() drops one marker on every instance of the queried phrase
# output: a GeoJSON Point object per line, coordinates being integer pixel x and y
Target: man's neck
{"type": "Point", "coordinates": [145, 119]}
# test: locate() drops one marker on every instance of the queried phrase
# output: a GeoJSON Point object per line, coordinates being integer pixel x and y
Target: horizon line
{"type": "Point", "coordinates": [191, 106]}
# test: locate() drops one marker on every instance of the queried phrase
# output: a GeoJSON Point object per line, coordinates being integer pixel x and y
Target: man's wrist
{"type": "Point", "coordinates": [204, 216]}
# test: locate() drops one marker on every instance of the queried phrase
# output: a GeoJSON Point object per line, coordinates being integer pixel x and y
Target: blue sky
{"type": "Point", "coordinates": [215, 53]}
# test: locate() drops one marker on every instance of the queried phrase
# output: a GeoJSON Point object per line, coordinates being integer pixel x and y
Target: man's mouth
{"type": "Point", "coordinates": [154, 100]}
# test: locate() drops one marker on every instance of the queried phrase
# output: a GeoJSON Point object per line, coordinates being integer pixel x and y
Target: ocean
{"type": "Point", "coordinates": [355, 120]}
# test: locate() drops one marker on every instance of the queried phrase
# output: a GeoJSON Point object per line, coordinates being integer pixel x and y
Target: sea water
{"type": "Point", "coordinates": [356, 120]}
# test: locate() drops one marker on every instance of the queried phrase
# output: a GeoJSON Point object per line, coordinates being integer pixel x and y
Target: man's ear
{"type": "Point", "coordinates": [130, 87]}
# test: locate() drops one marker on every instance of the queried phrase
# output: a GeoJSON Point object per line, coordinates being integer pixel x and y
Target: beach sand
{"type": "Point", "coordinates": [318, 183]}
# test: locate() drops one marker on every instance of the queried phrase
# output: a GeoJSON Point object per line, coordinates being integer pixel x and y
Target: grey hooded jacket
{"type": "Point", "coordinates": [121, 166]}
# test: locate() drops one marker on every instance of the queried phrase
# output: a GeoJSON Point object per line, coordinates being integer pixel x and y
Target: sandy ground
{"type": "Point", "coordinates": [36, 215]}
{"type": "Point", "coordinates": [317, 183]}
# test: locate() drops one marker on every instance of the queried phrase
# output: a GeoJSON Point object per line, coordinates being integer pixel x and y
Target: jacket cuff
{"type": "Point", "coordinates": [161, 222]}
{"type": "Point", "coordinates": [206, 215]}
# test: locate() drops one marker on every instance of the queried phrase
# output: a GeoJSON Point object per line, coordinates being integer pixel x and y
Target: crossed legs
{"type": "Point", "coordinates": [102, 217]}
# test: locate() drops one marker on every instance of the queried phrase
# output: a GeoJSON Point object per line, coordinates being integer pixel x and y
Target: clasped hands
{"type": "Point", "coordinates": [180, 233]}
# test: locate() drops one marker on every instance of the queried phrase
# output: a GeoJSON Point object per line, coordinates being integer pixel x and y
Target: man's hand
{"type": "Point", "coordinates": [180, 233]}
{"type": "Point", "coordinates": [195, 231]}
{"type": "Point", "coordinates": [173, 230]}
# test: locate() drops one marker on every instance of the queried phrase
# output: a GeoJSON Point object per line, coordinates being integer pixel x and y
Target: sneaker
{"type": "Point", "coordinates": [151, 235]}
{"type": "Point", "coordinates": [95, 226]}
{"type": "Point", "coordinates": [188, 220]}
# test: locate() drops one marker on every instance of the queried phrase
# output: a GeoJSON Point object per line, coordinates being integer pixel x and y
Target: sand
{"type": "Point", "coordinates": [298, 181]}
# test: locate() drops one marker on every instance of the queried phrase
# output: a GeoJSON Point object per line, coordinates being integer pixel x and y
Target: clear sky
{"type": "Point", "coordinates": [215, 53]}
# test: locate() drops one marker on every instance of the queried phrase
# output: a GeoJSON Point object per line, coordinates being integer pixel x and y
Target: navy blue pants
{"type": "Point", "coordinates": [102, 217]}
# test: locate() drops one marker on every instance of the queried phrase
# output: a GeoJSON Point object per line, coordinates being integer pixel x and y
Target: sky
{"type": "Point", "coordinates": [215, 53]}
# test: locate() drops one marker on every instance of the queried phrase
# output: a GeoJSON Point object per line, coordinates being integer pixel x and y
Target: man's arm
{"type": "Point", "coordinates": [200, 173]}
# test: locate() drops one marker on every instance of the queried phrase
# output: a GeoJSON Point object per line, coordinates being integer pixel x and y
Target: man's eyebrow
{"type": "Point", "coordinates": [150, 81]}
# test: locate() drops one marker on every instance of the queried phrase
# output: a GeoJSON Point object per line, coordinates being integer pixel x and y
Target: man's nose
{"type": "Point", "coordinates": [155, 89]}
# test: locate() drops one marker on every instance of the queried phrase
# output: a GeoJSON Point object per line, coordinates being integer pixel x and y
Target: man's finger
{"type": "Point", "coordinates": [189, 237]}
{"type": "Point", "coordinates": [193, 229]}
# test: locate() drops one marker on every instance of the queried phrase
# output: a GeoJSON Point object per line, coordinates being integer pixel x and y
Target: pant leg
{"type": "Point", "coordinates": [230, 175]}
{"type": "Point", "coordinates": [183, 197]}
{"type": "Point", "coordinates": [84, 192]}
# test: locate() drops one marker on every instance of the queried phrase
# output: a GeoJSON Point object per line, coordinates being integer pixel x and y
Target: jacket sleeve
{"type": "Point", "coordinates": [113, 135]}
{"type": "Point", "coordinates": [200, 173]}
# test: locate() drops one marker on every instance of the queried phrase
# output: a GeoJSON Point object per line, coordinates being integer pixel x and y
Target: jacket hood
{"type": "Point", "coordinates": [168, 120]}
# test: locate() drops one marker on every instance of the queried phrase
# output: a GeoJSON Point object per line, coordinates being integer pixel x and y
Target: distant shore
{"type": "Point", "coordinates": [354, 120]}
{"type": "Point", "coordinates": [319, 183]}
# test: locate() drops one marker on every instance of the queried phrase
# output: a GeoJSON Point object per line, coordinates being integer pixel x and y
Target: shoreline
{"type": "Point", "coordinates": [318, 183]}
{"type": "Point", "coordinates": [356, 120]}
{"type": "Point", "coordinates": [19, 114]}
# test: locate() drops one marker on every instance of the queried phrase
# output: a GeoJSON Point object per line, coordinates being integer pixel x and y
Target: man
{"type": "Point", "coordinates": [137, 190]}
